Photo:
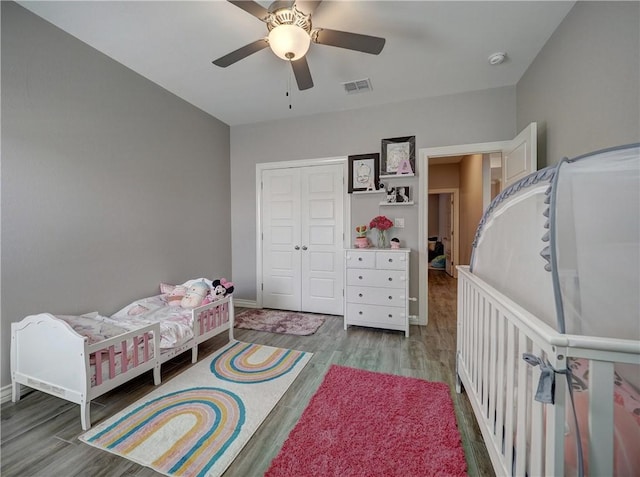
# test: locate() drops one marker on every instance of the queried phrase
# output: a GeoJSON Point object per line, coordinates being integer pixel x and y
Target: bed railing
{"type": "Point", "coordinates": [133, 349]}
{"type": "Point", "coordinates": [522, 435]}
{"type": "Point", "coordinates": [210, 319]}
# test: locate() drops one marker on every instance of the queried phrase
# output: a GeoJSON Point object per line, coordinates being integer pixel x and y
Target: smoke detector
{"type": "Point", "coordinates": [497, 58]}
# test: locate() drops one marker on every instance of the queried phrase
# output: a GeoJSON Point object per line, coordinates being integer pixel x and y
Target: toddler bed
{"type": "Point", "coordinates": [79, 358]}
{"type": "Point", "coordinates": [548, 336]}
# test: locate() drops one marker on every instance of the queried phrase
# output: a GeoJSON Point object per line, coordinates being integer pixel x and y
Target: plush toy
{"type": "Point", "coordinates": [174, 298]}
{"type": "Point", "coordinates": [195, 295]}
{"type": "Point", "coordinates": [221, 288]}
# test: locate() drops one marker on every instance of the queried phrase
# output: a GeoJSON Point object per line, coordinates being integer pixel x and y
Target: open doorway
{"type": "Point", "coordinates": [443, 230]}
{"type": "Point", "coordinates": [518, 158]}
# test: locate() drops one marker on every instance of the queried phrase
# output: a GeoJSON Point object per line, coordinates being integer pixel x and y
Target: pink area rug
{"type": "Point", "coordinates": [364, 424]}
{"type": "Point", "coordinates": [279, 321]}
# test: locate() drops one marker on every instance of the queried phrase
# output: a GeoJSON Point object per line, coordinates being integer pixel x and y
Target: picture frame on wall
{"type": "Point", "coordinates": [363, 172]}
{"type": "Point", "coordinates": [398, 195]}
{"type": "Point", "coordinates": [398, 156]}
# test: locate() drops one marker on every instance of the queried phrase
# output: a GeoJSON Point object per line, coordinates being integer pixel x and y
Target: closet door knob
{"type": "Point", "coordinates": [304, 247]}
{"type": "Point", "coordinates": [297, 247]}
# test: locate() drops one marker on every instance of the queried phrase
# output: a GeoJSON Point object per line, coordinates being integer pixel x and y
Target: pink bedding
{"type": "Point", "coordinates": [176, 327]}
{"type": "Point", "coordinates": [626, 413]}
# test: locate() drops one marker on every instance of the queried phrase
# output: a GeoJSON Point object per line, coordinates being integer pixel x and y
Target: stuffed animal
{"type": "Point", "coordinates": [221, 288]}
{"type": "Point", "coordinates": [195, 295]}
{"type": "Point", "coordinates": [174, 298]}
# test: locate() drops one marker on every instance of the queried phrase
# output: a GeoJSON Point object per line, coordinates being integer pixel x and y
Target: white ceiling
{"type": "Point", "coordinates": [432, 49]}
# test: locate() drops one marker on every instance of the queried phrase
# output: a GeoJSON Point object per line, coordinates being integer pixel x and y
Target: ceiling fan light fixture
{"type": "Point", "coordinates": [289, 42]}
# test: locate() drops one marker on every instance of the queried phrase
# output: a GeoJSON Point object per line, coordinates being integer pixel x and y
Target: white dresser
{"type": "Point", "coordinates": [377, 288]}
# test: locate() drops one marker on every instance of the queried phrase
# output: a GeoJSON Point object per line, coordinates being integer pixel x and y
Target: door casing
{"type": "Point", "coordinates": [528, 136]}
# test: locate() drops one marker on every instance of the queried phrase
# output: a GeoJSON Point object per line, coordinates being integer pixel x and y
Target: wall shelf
{"type": "Point", "coordinates": [377, 191]}
{"type": "Point", "coordinates": [397, 176]}
{"type": "Point", "coordinates": [397, 203]}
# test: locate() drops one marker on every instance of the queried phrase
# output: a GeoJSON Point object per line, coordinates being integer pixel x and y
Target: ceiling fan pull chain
{"type": "Point", "coordinates": [289, 85]}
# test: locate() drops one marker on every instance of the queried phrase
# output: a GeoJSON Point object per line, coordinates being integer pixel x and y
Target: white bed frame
{"type": "Point", "coordinates": [48, 355]}
{"type": "Point", "coordinates": [524, 436]}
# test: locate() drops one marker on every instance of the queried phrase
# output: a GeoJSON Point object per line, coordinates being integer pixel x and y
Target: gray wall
{"type": "Point", "coordinates": [583, 88]}
{"type": "Point", "coordinates": [110, 184]}
{"type": "Point", "coordinates": [473, 117]}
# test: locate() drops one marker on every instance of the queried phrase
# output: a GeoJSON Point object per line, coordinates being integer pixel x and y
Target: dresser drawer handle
{"type": "Point", "coordinates": [390, 315]}
{"type": "Point", "coordinates": [390, 279]}
{"type": "Point", "coordinates": [390, 260]}
{"type": "Point", "coordinates": [359, 259]}
{"type": "Point", "coordinates": [359, 313]}
{"type": "Point", "coordinates": [390, 297]}
{"type": "Point", "coordinates": [360, 295]}
{"type": "Point", "coordinates": [360, 277]}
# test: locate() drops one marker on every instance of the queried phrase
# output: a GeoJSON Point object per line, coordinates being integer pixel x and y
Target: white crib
{"type": "Point", "coordinates": [555, 276]}
{"type": "Point", "coordinates": [524, 436]}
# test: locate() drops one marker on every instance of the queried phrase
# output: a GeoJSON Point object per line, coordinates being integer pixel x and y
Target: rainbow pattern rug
{"type": "Point", "coordinates": [197, 423]}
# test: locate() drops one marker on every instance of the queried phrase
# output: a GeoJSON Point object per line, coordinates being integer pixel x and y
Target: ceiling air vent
{"type": "Point", "coordinates": [358, 86]}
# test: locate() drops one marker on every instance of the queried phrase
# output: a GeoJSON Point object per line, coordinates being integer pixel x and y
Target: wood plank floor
{"type": "Point", "coordinates": [39, 433]}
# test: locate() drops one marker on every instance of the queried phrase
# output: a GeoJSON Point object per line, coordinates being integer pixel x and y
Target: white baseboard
{"type": "Point", "coordinates": [5, 394]}
{"type": "Point", "coordinates": [413, 320]}
{"type": "Point", "coordinates": [245, 303]}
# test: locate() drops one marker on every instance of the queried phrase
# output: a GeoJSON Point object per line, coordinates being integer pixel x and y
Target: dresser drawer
{"type": "Point", "coordinates": [391, 260]}
{"type": "Point", "coordinates": [376, 296]}
{"type": "Point", "coordinates": [377, 278]}
{"type": "Point", "coordinates": [359, 259]}
{"type": "Point", "coordinates": [378, 316]}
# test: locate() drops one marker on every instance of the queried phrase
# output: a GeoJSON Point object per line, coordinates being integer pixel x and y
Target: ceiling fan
{"type": "Point", "coordinates": [290, 34]}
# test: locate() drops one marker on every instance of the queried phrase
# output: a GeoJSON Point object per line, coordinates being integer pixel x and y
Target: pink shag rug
{"type": "Point", "coordinates": [279, 321]}
{"type": "Point", "coordinates": [364, 424]}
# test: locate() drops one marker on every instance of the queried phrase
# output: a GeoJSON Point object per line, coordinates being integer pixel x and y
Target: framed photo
{"type": "Point", "coordinates": [398, 156]}
{"type": "Point", "coordinates": [403, 194]}
{"type": "Point", "coordinates": [398, 195]}
{"type": "Point", "coordinates": [363, 172]}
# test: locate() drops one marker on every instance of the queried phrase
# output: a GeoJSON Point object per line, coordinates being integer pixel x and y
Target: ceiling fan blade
{"type": "Point", "coordinates": [302, 73]}
{"type": "Point", "coordinates": [241, 53]}
{"type": "Point", "coordinates": [350, 41]}
{"type": "Point", "coordinates": [251, 8]}
{"type": "Point", "coordinates": [307, 6]}
{"type": "Point", "coordinates": [278, 4]}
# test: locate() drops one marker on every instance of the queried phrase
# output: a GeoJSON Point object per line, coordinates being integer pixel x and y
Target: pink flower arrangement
{"type": "Point", "coordinates": [381, 223]}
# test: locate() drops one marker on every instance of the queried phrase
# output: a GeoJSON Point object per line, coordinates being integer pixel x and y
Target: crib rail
{"type": "Point", "coordinates": [522, 435]}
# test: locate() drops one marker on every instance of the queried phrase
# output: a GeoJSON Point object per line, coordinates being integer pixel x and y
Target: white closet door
{"type": "Point", "coordinates": [282, 276]}
{"type": "Point", "coordinates": [322, 237]}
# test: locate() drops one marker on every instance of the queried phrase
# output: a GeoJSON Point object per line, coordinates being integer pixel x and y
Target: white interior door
{"type": "Point", "coordinates": [281, 259]}
{"type": "Point", "coordinates": [302, 230]}
{"type": "Point", "coordinates": [520, 157]}
{"type": "Point", "coordinates": [322, 227]}
{"type": "Point", "coordinates": [446, 202]}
